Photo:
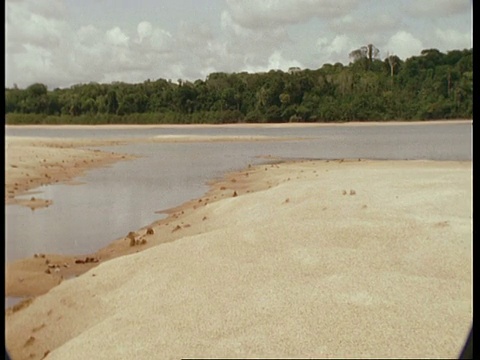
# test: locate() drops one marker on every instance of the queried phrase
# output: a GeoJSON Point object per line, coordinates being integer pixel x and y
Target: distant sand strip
{"type": "Point", "coordinates": [245, 125]}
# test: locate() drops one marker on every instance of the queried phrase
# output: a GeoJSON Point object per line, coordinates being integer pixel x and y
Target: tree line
{"type": "Point", "coordinates": [432, 85]}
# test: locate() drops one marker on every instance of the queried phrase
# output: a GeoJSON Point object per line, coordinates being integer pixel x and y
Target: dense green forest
{"type": "Point", "coordinates": [433, 85]}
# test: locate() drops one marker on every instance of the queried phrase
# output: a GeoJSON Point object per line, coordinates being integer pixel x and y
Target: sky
{"type": "Point", "coordinates": [61, 43]}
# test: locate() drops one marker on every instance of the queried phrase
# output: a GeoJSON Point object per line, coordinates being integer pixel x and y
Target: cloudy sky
{"type": "Point", "coordinates": [65, 42]}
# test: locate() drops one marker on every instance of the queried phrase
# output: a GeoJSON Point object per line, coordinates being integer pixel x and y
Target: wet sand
{"type": "Point", "coordinates": [303, 259]}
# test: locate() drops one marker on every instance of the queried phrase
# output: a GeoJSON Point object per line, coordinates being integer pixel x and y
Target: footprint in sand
{"type": "Point", "coordinates": [442, 224]}
{"type": "Point", "coordinates": [30, 341]}
{"type": "Point", "coordinates": [35, 329]}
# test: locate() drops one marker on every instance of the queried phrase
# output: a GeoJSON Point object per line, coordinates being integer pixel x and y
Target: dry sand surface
{"type": "Point", "coordinates": [311, 259]}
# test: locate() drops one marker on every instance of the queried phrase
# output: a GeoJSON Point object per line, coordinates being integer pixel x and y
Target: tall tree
{"type": "Point", "coordinates": [393, 61]}
{"type": "Point", "coordinates": [366, 53]}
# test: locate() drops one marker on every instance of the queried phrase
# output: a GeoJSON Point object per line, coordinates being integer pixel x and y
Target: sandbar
{"type": "Point", "coordinates": [349, 258]}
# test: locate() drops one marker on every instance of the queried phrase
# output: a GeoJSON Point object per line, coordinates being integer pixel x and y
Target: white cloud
{"type": "Point", "coordinates": [376, 24]}
{"type": "Point", "coordinates": [404, 45]}
{"type": "Point", "coordinates": [333, 49]}
{"type": "Point", "coordinates": [433, 8]}
{"type": "Point", "coordinates": [144, 30]}
{"type": "Point", "coordinates": [88, 34]}
{"type": "Point", "coordinates": [161, 40]}
{"type": "Point", "coordinates": [152, 39]}
{"type": "Point", "coordinates": [449, 39]}
{"type": "Point", "coordinates": [228, 24]}
{"type": "Point", "coordinates": [254, 14]}
{"type": "Point", "coordinates": [49, 9]}
{"type": "Point", "coordinates": [37, 38]}
{"type": "Point", "coordinates": [116, 36]}
{"type": "Point", "coordinates": [48, 42]}
{"type": "Point", "coordinates": [46, 49]}
{"type": "Point", "coordinates": [248, 49]}
{"type": "Point", "coordinates": [25, 26]}
{"type": "Point", "coordinates": [277, 61]}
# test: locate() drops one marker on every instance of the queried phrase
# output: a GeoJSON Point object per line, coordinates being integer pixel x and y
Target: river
{"type": "Point", "coordinates": [124, 197]}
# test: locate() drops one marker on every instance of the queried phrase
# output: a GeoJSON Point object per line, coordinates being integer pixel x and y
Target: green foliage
{"type": "Point", "coordinates": [432, 85]}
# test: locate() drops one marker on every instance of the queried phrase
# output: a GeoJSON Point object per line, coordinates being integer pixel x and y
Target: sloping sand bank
{"type": "Point", "coordinates": [349, 259]}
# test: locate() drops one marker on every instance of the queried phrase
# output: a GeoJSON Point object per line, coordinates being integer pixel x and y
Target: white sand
{"type": "Point", "coordinates": [297, 270]}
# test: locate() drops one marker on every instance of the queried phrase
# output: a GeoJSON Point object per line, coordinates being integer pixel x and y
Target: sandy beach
{"type": "Point", "coordinates": [310, 259]}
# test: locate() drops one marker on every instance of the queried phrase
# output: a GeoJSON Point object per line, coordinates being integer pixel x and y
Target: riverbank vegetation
{"type": "Point", "coordinates": [432, 85]}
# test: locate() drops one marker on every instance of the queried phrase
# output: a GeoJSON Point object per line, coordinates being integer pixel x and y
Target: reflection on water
{"type": "Point", "coordinates": [11, 301]}
{"type": "Point", "coordinates": [124, 197]}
